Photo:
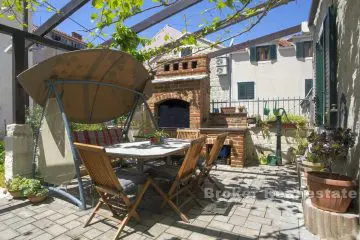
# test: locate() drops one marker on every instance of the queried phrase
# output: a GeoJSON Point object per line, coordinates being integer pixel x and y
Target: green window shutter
{"type": "Point", "coordinates": [253, 57]}
{"type": "Point", "coordinates": [319, 86]}
{"type": "Point", "coordinates": [246, 90]}
{"type": "Point", "coordinates": [300, 51]}
{"type": "Point", "coordinates": [273, 52]}
{"type": "Point", "coordinates": [308, 87]}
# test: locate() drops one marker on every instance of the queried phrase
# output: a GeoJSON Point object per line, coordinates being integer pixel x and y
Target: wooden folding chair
{"type": "Point", "coordinates": [182, 178]}
{"type": "Point", "coordinates": [210, 160]}
{"type": "Point", "coordinates": [111, 188]}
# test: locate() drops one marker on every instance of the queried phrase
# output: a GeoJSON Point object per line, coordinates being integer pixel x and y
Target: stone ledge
{"type": "Point", "coordinates": [330, 225]}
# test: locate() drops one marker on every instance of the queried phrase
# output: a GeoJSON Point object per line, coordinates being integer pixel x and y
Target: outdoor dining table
{"type": "Point", "coordinates": [144, 151]}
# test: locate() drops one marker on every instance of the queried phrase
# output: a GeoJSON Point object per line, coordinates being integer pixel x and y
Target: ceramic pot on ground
{"type": "Point", "coordinates": [331, 191]}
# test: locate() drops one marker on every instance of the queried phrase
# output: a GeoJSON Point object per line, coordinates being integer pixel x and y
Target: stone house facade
{"type": "Point", "coordinates": [335, 28]}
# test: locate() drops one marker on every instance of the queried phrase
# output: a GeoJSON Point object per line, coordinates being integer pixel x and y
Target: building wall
{"type": "Point", "coordinates": [6, 73]}
{"type": "Point", "coordinates": [284, 77]}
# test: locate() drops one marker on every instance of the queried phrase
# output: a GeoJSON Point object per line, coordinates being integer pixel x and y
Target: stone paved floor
{"type": "Point", "coordinates": [251, 215]}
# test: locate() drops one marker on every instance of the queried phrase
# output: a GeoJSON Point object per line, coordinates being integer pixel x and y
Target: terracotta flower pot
{"type": "Point", "coordinates": [36, 199]}
{"type": "Point", "coordinates": [330, 192]}
{"type": "Point", "coordinates": [228, 110]}
{"type": "Point", "coordinates": [16, 194]}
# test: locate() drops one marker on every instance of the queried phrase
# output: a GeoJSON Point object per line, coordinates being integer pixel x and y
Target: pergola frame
{"type": "Point", "coordinates": [140, 99]}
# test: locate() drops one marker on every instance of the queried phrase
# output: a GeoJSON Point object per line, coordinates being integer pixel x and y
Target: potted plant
{"type": "Point", "coordinates": [157, 137]}
{"type": "Point", "coordinates": [228, 110]}
{"type": "Point", "coordinates": [263, 159]}
{"type": "Point", "coordinates": [34, 191]}
{"type": "Point", "coordinates": [242, 109]}
{"type": "Point", "coordinates": [15, 187]}
{"type": "Point", "coordinates": [331, 191]}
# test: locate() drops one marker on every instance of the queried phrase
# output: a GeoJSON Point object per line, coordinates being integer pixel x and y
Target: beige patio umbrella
{"type": "Point", "coordinates": [89, 103]}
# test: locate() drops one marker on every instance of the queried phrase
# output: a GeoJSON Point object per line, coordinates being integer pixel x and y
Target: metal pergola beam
{"type": "Point", "coordinates": [60, 16]}
{"type": "Point", "coordinates": [160, 16]}
{"type": "Point", "coordinates": [35, 38]}
{"type": "Point", "coordinates": [257, 41]}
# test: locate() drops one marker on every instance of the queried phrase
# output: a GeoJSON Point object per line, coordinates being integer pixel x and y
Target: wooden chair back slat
{"type": "Point", "coordinates": [98, 165]}
{"type": "Point", "coordinates": [191, 158]}
{"type": "Point", "coordinates": [215, 150]}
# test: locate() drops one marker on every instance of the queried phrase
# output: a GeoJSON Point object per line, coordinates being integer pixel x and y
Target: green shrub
{"type": "Point", "coordinates": [291, 118]}
{"type": "Point", "coordinates": [88, 127]}
{"type": "Point", "coordinates": [16, 184]}
{"type": "Point", "coordinates": [33, 187]}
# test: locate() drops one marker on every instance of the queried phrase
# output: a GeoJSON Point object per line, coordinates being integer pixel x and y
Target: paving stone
{"type": "Point", "coordinates": [241, 211]}
{"type": "Point", "coordinates": [257, 213]}
{"type": "Point", "coordinates": [25, 213]}
{"type": "Point", "coordinates": [12, 220]}
{"type": "Point", "coordinates": [8, 234]}
{"type": "Point", "coordinates": [93, 233]}
{"type": "Point", "coordinates": [167, 236]}
{"type": "Point", "coordinates": [200, 236]}
{"type": "Point", "coordinates": [252, 225]}
{"type": "Point", "coordinates": [25, 229]}
{"type": "Point", "coordinates": [246, 232]}
{"type": "Point", "coordinates": [199, 223]}
{"type": "Point", "coordinates": [156, 230]}
{"type": "Point", "coordinates": [76, 232]}
{"type": "Point", "coordinates": [56, 230]}
{"type": "Point", "coordinates": [44, 236]}
{"type": "Point", "coordinates": [43, 223]}
{"type": "Point", "coordinates": [260, 220]}
{"type": "Point", "coordinates": [55, 216]}
{"type": "Point", "coordinates": [22, 222]}
{"type": "Point", "coordinates": [102, 226]}
{"type": "Point", "coordinates": [237, 220]}
{"type": "Point", "coordinates": [44, 214]}
{"type": "Point", "coordinates": [66, 219]}
{"type": "Point", "coordinates": [32, 234]}
{"type": "Point", "coordinates": [180, 232]}
{"type": "Point", "coordinates": [222, 218]}
{"type": "Point", "coordinates": [63, 237]}
{"type": "Point", "coordinates": [220, 225]}
{"type": "Point", "coordinates": [3, 226]}
{"type": "Point", "coordinates": [6, 216]}
{"type": "Point", "coordinates": [205, 218]}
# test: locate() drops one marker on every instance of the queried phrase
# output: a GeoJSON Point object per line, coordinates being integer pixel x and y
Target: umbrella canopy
{"type": "Point", "coordinates": [84, 102]}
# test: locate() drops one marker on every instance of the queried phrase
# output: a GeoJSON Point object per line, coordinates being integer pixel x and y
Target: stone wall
{"type": "Point", "coordinates": [259, 141]}
{"type": "Point", "coordinates": [232, 120]}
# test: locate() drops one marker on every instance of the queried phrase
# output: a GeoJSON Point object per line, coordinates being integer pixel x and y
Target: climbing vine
{"type": "Point", "coordinates": [220, 14]}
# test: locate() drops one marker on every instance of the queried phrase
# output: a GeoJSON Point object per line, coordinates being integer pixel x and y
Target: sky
{"type": "Point", "coordinates": [282, 17]}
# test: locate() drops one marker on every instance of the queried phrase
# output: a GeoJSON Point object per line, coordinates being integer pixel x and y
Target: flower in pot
{"type": "Point", "coordinates": [331, 191]}
{"type": "Point", "coordinates": [242, 108]}
{"type": "Point", "coordinates": [15, 186]}
{"type": "Point", "coordinates": [34, 191]}
{"type": "Point", "coordinates": [157, 137]}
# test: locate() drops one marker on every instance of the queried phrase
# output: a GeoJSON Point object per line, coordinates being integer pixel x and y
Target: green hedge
{"type": "Point", "coordinates": [2, 160]}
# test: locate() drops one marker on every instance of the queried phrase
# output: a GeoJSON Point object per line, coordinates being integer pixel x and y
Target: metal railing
{"type": "Point", "coordinates": [255, 107]}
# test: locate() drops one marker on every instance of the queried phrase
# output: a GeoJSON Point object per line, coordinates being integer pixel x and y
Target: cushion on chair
{"type": "Point", "coordinates": [130, 180]}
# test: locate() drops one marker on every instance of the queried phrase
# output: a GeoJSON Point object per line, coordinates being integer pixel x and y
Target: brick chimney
{"type": "Point", "coordinates": [76, 35]}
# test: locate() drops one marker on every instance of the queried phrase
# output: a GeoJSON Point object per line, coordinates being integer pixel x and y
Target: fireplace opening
{"type": "Point", "coordinates": [174, 113]}
{"type": "Point", "coordinates": [224, 154]}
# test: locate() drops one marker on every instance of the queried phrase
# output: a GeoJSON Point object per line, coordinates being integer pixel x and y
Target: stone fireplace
{"type": "Point", "coordinates": [181, 91]}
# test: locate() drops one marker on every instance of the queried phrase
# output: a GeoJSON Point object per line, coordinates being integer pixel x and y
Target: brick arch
{"type": "Point", "coordinates": [168, 96]}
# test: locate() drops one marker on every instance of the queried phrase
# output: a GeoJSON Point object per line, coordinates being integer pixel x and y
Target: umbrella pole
{"type": "Point", "coordinates": [80, 202]}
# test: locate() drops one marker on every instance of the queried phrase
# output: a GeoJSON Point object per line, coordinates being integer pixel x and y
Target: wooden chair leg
{"type": "Point", "coordinates": [171, 204]}
{"type": "Point", "coordinates": [122, 225]}
{"type": "Point", "coordinates": [94, 212]}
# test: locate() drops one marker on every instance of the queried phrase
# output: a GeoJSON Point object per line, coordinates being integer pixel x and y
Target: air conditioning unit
{"type": "Point", "coordinates": [221, 61]}
{"type": "Point", "coordinates": [221, 70]}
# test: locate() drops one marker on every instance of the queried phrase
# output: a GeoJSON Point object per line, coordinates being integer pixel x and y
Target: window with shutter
{"type": "Point", "coordinates": [319, 85]}
{"type": "Point", "coordinates": [246, 90]}
{"type": "Point", "coordinates": [253, 54]}
{"type": "Point", "coordinates": [300, 49]}
{"type": "Point", "coordinates": [330, 57]}
{"type": "Point", "coordinates": [273, 52]}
